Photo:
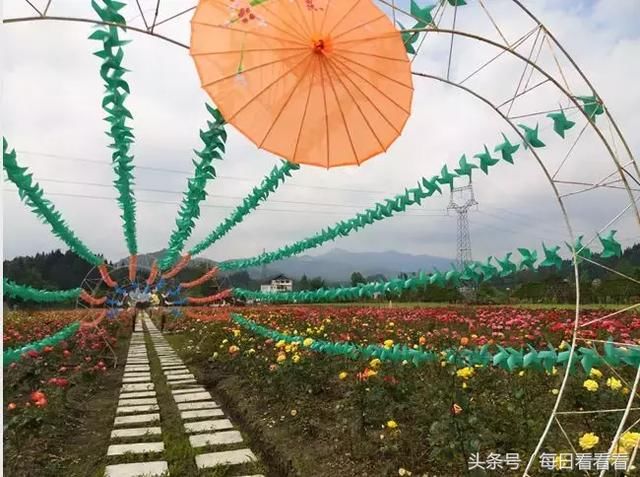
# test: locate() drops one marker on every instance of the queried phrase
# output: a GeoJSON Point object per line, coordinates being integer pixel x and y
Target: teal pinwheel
{"type": "Point", "coordinates": [580, 249]}
{"type": "Point", "coordinates": [488, 270]}
{"type": "Point", "coordinates": [507, 149]}
{"type": "Point", "coordinates": [529, 258]}
{"type": "Point", "coordinates": [423, 15]}
{"type": "Point", "coordinates": [592, 106]}
{"type": "Point", "coordinates": [507, 266]}
{"type": "Point", "coordinates": [560, 123]}
{"type": "Point", "coordinates": [465, 168]}
{"type": "Point", "coordinates": [611, 247]}
{"type": "Point", "coordinates": [486, 160]}
{"type": "Point", "coordinates": [431, 185]}
{"type": "Point", "coordinates": [531, 136]}
{"type": "Point", "coordinates": [446, 177]}
{"type": "Point", "coordinates": [551, 257]}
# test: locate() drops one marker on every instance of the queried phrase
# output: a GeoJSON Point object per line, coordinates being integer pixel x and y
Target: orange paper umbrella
{"type": "Point", "coordinates": [320, 82]}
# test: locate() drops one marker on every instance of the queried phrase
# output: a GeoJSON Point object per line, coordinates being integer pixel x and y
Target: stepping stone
{"type": "Point", "coordinates": [137, 387]}
{"type": "Point", "coordinates": [137, 402]}
{"type": "Point", "coordinates": [139, 448]}
{"type": "Point", "coordinates": [137, 379]}
{"type": "Point", "coordinates": [202, 413]}
{"type": "Point", "coordinates": [139, 419]}
{"type": "Point", "coordinates": [215, 439]}
{"type": "Point", "coordinates": [140, 394]}
{"type": "Point", "coordinates": [137, 369]}
{"type": "Point", "coordinates": [189, 390]}
{"type": "Point", "coordinates": [136, 432]}
{"type": "Point", "coordinates": [182, 382]}
{"type": "Point", "coordinates": [188, 406]}
{"type": "Point", "coordinates": [137, 409]}
{"type": "Point", "coordinates": [178, 377]}
{"type": "Point", "coordinates": [173, 367]}
{"type": "Point", "coordinates": [136, 374]}
{"type": "Point", "coordinates": [181, 370]}
{"type": "Point", "coordinates": [138, 469]}
{"type": "Point", "coordinates": [232, 457]}
{"type": "Point", "coordinates": [207, 426]}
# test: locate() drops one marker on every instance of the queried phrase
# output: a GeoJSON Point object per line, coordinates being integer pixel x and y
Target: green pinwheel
{"type": "Point", "coordinates": [507, 149]}
{"type": "Point", "coordinates": [466, 168]}
{"type": "Point", "coordinates": [592, 106]}
{"type": "Point", "coordinates": [529, 258]}
{"type": "Point", "coordinates": [611, 247]}
{"type": "Point", "coordinates": [551, 257]}
{"type": "Point", "coordinates": [507, 266]}
{"type": "Point", "coordinates": [409, 38]}
{"type": "Point", "coordinates": [457, 3]}
{"type": "Point", "coordinates": [488, 270]}
{"type": "Point", "coordinates": [486, 161]}
{"type": "Point", "coordinates": [581, 250]}
{"type": "Point", "coordinates": [446, 177]}
{"type": "Point", "coordinates": [531, 136]}
{"type": "Point", "coordinates": [431, 185]}
{"type": "Point", "coordinates": [560, 123]}
{"type": "Point", "coordinates": [422, 14]}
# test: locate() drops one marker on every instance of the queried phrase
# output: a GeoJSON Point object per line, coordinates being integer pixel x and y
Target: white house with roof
{"type": "Point", "coordinates": [278, 284]}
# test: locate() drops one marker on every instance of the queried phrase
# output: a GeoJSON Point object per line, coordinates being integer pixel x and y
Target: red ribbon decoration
{"type": "Point", "coordinates": [178, 267]}
{"type": "Point", "coordinates": [91, 300]}
{"type": "Point", "coordinates": [211, 298]}
{"type": "Point", "coordinates": [199, 281]}
{"type": "Point", "coordinates": [133, 267]}
{"type": "Point", "coordinates": [104, 273]}
{"type": "Point", "coordinates": [94, 323]}
{"type": "Point", "coordinates": [153, 273]}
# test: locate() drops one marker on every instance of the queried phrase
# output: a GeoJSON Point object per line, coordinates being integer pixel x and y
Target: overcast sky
{"type": "Point", "coordinates": [51, 95]}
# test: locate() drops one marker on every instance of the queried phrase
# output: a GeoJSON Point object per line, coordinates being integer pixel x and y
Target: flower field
{"type": "Point", "coordinates": [336, 376]}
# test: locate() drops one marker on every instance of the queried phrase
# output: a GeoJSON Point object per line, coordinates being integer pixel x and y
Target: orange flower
{"type": "Point", "coordinates": [422, 341]}
{"type": "Point", "coordinates": [11, 406]}
{"type": "Point", "coordinates": [464, 341]}
{"type": "Point", "coordinates": [456, 409]}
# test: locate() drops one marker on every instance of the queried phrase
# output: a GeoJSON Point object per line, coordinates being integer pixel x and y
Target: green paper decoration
{"type": "Point", "coordinates": [33, 196]}
{"type": "Point", "coordinates": [422, 14]}
{"type": "Point", "coordinates": [507, 149]}
{"type": "Point", "coordinates": [27, 293]}
{"type": "Point", "coordinates": [466, 168]}
{"type": "Point", "coordinates": [214, 146]}
{"type": "Point", "coordinates": [13, 355]}
{"type": "Point", "coordinates": [509, 359]}
{"type": "Point", "coordinates": [560, 123]}
{"type": "Point", "coordinates": [592, 106]}
{"type": "Point", "coordinates": [507, 266]}
{"type": "Point", "coordinates": [117, 90]}
{"type": "Point", "coordinates": [446, 177]}
{"type": "Point", "coordinates": [581, 250]}
{"type": "Point", "coordinates": [529, 258]}
{"type": "Point", "coordinates": [551, 257]}
{"type": "Point", "coordinates": [456, 3]}
{"type": "Point", "coordinates": [409, 38]}
{"type": "Point", "coordinates": [531, 136]}
{"type": "Point", "coordinates": [612, 247]}
{"type": "Point", "coordinates": [269, 184]}
{"type": "Point", "coordinates": [486, 161]}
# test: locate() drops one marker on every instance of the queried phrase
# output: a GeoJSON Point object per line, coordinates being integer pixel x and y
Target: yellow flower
{"type": "Point", "coordinates": [236, 332]}
{"type": "Point", "coordinates": [588, 441]}
{"type": "Point", "coordinates": [225, 341]}
{"type": "Point", "coordinates": [590, 385]}
{"type": "Point", "coordinates": [521, 373]}
{"type": "Point", "coordinates": [375, 363]}
{"type": "Point", "coordinates": [563, 345]}
{"type": "Point", "coordinates": [464, 385]}
{"type": "Point", "coordinates": [388, 344]}
{"type": "Point", "coordinates": [402, 471]}
{"type": "Point", "coordinates": [554, 392]}
{"type": "Point", "coordinates": [294, 413]}
{"type": "Point", "coordinates": [307, 342]}
{"type": "Point", "coordinates": [595, 373]}
{"type": "Point", "coordinates": [281, 357]}
{"type": "Point", "coordinates": [281, 344]}
{"type": "Point", "coordinates": [296, 358]}
{"type": "Point", "coordinates": [614, 383]}
{"type": "Point", "coordinates": [215, 355]}
{"type": "Point", "coordinates": [392, 424]}
{"type": "Point", "coordinates": [465, 373]}
{"type": "Point", "coordinates": [629, 440]}
{"type": "Point", "coordinates": [343, 375]}
{"type": "Point", "coordinates": [443, 363]}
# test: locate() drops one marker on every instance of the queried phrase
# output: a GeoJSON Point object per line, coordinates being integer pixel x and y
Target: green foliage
{"type": "Point", "coordinates": [214, 146]}
{"type": "Point", "coordinates": [33, 196]}
{"type": "Point", "coordinates": [357, 278]}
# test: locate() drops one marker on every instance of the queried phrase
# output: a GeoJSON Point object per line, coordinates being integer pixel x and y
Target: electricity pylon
{"type": "Point", "coordinates": [462, 199]}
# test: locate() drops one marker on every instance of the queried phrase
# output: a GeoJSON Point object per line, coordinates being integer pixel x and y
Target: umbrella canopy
{"type": "Point", "coordinates": [319, 82]}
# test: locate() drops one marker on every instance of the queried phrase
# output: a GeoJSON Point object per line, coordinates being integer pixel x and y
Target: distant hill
{"type": "Point", "coordinates": [146, 260]}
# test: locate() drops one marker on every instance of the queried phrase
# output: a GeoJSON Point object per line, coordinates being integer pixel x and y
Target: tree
{"type": "Point", "coordinates": [357, 278]}
{"type": "Point", "coordinates": [316, 283]}
{"type": "Point", "coordinates": [303, 284]}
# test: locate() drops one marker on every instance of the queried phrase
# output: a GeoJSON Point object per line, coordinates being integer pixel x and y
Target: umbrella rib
{"type": "Point", "coordinates": [368, 22]}
{"type": "Point", "coordinates": [249, 32]}
{"type": "Point", "coordinates": [369, 100]}
{"type": "Point", "coordinates": [373, 55]}
{"type": "Point", "coordinates": [368, 38]}
{"type": "Point", "coordinates": [293, 31]}
{"type": "Point", "coordinates": [343, 17]}
{"type": "Point", "coordinates": [364, 116]}
{"type": "Point", "coordinates": [211, 83]}
{"type": "Point", "coordinates": [306, 107]}
{"type": "Point", "coordinates": [344, 120]}
{"type": "Point", "coordinates": [374, 71]}
{"type": "Point", "coordinates": [275, 120]}
{"type": "Point", "coordinates": [326, 113]}
{"type": "Point", "coordinates": [304, 20]}
{"type": "Point", "coordinates": [251, 50]}
{"type": "Point", "coordinates": [263, 90]}
{"type": "Point", "coordinates": [372, 85]}
{"type": "Point", "coordinates": [324, 17]}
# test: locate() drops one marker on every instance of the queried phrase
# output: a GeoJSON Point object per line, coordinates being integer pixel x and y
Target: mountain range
{"type": "Point", "coordinates": [336, 265]}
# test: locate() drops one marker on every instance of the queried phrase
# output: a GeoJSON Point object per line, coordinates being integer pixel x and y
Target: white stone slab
{"type": "Point", "coordinates": [137, 387]}
{"type": "Point", "coordinates": [137, 419]}
{"type": "Point", "coordinates": [189, 406]}
{"type": "Point", "coordinates": [180, 370]}
{"type": "Point", "coordinates": [138, 469]}
{"type": "Point", "coordinates": [137, 409]}
{"type": "Point", "coordinates": [139, 394]}
{"type": "Point", "coordinates": [139, 448]}
{"type": "Point", "coordinates": [232, 457]}
{"type": "Point", "coordinates": [207, 426]}
{"type": "Point", "coordinates": [201, 413]}
{"type": "Point", "coordinates": [188, 390]}
{"type": "Point", "coordinates": [137, 379]}
{"type": "Point", "coordinates": [178, 377]}
{"type": "Point", "coordinates": [137, 402]}
{"type": "Point", "coordinates": [182, 382]}
{"type": "Point", "coordinates": [215, 439]}
{"type": "Point", "coordinates": [136, 432]}
{"type": "Point", "coordinates": [137, 369]}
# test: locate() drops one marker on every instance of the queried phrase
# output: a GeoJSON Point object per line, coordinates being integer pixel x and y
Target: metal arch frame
{"type": "Point", "coordinates": [93, 284]}
{"type": "Point", "coordinates": [550, 78]}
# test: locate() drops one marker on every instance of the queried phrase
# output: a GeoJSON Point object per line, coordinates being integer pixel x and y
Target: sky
{"type": "Point", "coordinates": [50, 113]}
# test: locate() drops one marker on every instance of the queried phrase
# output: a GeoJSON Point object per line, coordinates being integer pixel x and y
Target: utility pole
{"type": "Point", "coordinates": [462, 199]}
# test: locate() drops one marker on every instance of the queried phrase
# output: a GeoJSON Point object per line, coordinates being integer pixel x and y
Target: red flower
{"type": "Point", "coordinates": [60, 382]}
{"type": "Point", "coordinates": [11, 406]}
{"type": "Point", "coordinates": [33, 353]}
{"type": "Point", "coordinates": [48, 349]}
{"type": "Point", "coordinates": [37, 396]}
{"type": "Point", "coordinates": [66, 353]}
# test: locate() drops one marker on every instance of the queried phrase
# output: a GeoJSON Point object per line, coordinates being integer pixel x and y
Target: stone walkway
{"type": "Point", "coordinates": [137, 435]}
